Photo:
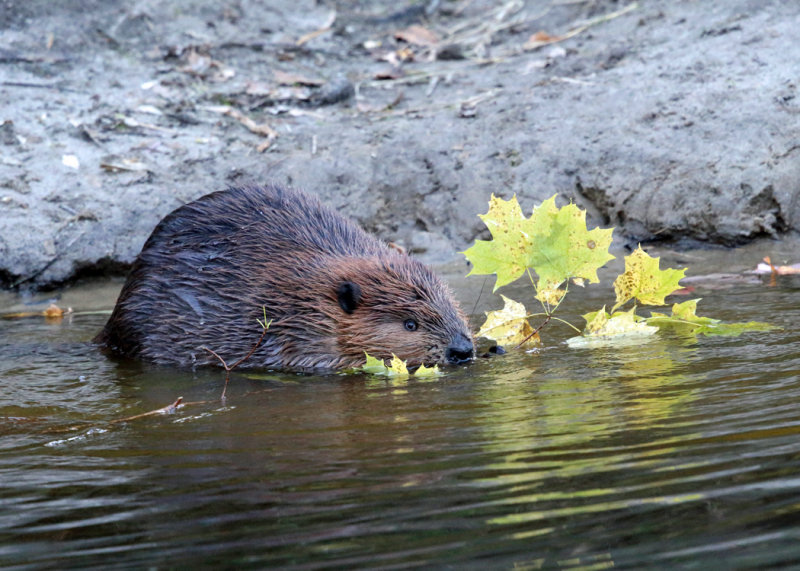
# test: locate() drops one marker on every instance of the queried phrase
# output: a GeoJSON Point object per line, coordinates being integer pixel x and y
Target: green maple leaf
{"type": "Point", "coordinates": [373, 365]}
{"type": "Point", "coordinates": [506, 254]}
{"type": "Point", "coordinates": [684, 318]}
{"type": "Point", "coordinates": [397, 368]}
{"type": "Point", "coordinates": [563, 248]}
{"type": "Point", "coordinates": [424, 372]}
{"type": "Point", "coordinates": [644, 281]}
{"type": "Point", "coordinates": [554, 242]}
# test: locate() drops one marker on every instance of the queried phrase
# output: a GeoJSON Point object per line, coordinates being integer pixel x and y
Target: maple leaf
{"type": "Point", "coordinates": [550, 295]}
{"type": "Point", "coordinates": [644, 281]}
{"type": "Point", "coordinates": [397, 368]}
{"type": "Point", "coordinates": [563, 247]}
{"type": "Point", "coordinates": [373, 366]}
{"type": "Point", "coordinates": [684, 318]}
{"type": "Point", "coordinates": [425, 372]}
{"type": "Point", "coordinates": [603, 328]}
{"type": "Point", "coordinates": [509, 326]}
{"type": "Point", "coordinates": [554, 242]}
{"type": "Point", "coordinates": [506, 254]}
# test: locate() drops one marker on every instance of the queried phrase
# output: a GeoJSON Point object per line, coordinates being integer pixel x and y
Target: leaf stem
{"type": "Point", "coordinates": [566, 291]}
{"type": "Point", "coordinates": [680, 321]}
{"type": "Point", "coordinates": [564, 321]}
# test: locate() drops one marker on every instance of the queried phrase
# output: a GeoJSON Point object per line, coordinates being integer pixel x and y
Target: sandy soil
{"type": "Point", "coordinates": [672, 120]}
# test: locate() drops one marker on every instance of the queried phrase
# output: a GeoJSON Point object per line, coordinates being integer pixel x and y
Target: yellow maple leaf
{"type": "Point", "coordinates": [397, 367]}
{"type": "Point", "coordinates": [596, 321]}
{"type": "Point", "coordinates": [509, 326]}
{"type": "Point", "coordinates": [425, 372]}
{"type": "Point", "coordinates": [603, 328]}
{"type": "Point", "coordinates": [550, 295]}
{"type": "Point", "coordinates": [644, 281]}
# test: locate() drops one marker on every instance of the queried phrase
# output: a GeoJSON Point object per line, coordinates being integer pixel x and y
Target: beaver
{"type": "Point", "coordinates": [215, 266]}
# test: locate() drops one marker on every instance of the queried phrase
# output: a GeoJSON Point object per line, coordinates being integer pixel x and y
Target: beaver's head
{"type": "Point", "coordinates": [395, 305]}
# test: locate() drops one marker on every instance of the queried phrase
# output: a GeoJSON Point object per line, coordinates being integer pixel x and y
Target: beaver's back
{"type": "Point", "coordinates": [273, 218]}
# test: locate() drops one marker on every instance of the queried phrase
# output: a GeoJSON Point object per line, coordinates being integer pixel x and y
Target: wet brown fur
{"type": "Point", "coordinates": [210, 266]}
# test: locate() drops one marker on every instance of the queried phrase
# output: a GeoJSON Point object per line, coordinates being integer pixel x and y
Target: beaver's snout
{"type": "Point", "coordinates": [460, 350]}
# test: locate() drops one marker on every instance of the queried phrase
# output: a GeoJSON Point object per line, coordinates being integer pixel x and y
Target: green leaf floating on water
{"type": "Point", "coordinates": [397, 368]}
{"type": "Point", "coordinates": [424, 371]}
{"type": "Point", "coordinates": [603, 328]}
{"type": "Point", "coordinates": [644, 281]}
{"type": "Point", "coordinates": [684, 318]}
{"type": "Point", "coordinates": [373, 366]}
{"type": "Point", "coordinates": [554, 242]}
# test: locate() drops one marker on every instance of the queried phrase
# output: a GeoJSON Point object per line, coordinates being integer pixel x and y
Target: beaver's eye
{"type": "Point", "coordinates": [410, 325]}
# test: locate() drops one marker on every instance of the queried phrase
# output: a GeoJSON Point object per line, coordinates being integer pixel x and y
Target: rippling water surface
{"type": "Point", "coordinates": [673, 452]}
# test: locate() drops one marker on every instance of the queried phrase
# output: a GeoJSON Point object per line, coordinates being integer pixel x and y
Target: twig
{"type": "Point", "coordinates": [53, 260]}
{"type": "Point", "coordinates": [170, 409]}
{"type": "Point", "coordinates": [474, 307]}
{"type": "Point", "coordinates": [535, 331]}
{"type": "Point", "coordinates": [58, 86]}
{"type": "Point", "coordinates": [483, 27]}
{"type": "Point", "coordinates": [264, 327]}
{"type": "Point", "coordinates": [262, 129]}
{"type": "Point", "coordinates": [581, 28]}
{"type": "Point", "coordinates": [318, 32]}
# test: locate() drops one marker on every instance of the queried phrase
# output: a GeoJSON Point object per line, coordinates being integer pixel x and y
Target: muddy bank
{"type": "Point", "coordinates": [675, 121]}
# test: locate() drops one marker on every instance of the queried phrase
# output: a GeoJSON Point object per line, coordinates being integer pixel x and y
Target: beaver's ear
{"type": "Point", "coordinates": [349, 294]}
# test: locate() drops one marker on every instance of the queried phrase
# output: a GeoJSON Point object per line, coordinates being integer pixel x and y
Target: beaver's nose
{"type": "Point", "coordinates": [460, 350]}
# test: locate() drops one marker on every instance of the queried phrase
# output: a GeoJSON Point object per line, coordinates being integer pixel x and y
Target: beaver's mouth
{"type": "Point", "coordinates": [460, 350]}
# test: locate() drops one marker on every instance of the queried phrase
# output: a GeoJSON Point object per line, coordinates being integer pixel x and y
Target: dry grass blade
{"type": "Point", "coordinates": [318, 32]}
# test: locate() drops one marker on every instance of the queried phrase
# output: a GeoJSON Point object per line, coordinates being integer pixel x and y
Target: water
{"type": "Point", "coordinates": [674, 452]}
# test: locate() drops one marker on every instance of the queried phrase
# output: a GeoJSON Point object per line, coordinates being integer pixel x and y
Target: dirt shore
{"type": "Point", "coordinates": [672, 120]}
